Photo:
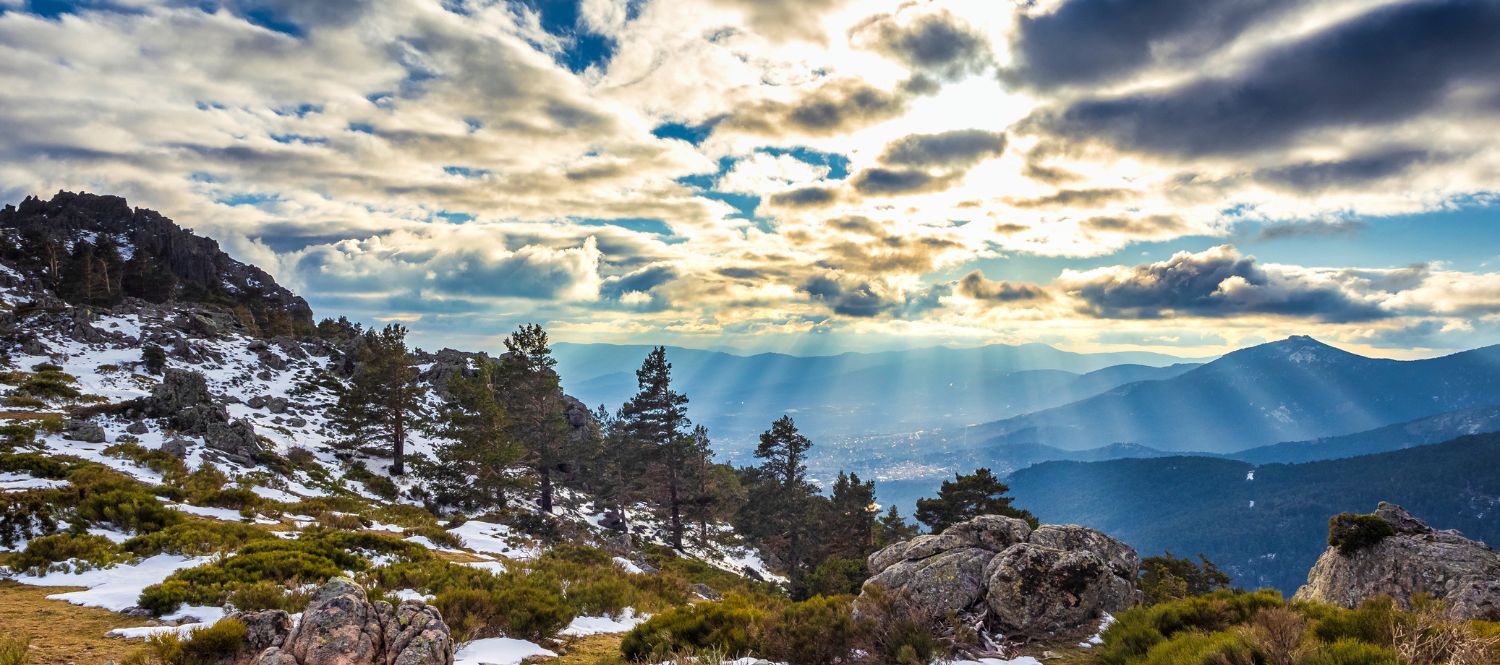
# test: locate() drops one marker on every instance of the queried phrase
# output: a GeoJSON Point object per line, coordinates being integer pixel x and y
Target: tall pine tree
{"type": "Point", "coordinates": [473, 467]}
{"type": "Point", "coordinates": [657, 418]}
{"type": "Point", "coordinates": [537, 412]}
{"type": "Point", "coordinates": [383, 400]}
{"type": "Point", "coordinates": [783, 471]}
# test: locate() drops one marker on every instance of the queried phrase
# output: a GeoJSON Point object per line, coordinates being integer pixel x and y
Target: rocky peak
{"type": "Point", "coordinates": [149, 257]}
{"type": "Point", "coordinates": [1405, 558]}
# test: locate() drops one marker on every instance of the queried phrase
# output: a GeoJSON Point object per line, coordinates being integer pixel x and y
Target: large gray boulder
{"type": "Point", "coordinates": [342, 627]}
{"type": "Point", "coordinates": [1055, 580]}
{"type": "Point", "coordinates": [184, 400]}
{"type": "Point", "coordinates": [1414, 559]}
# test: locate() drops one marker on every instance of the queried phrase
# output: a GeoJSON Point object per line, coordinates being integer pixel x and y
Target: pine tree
{"type": "Point", "coordinates": [713, 490]}
{"type": "Point", "coordinates": [618, 464]}
{"type": "Point", "coordinates": [472, 468]}
{"type": "Point", "coordinates": [786, 494]}
{"type": "Point", "coordinates": [892, 528]}
{"type": "Point", "coordinates": [383, 398]}
{"type": "Point", "coordinates": [966, 497]}
{"type": "Point", "coordinates": [851, 529]}
{"type": "Point", "coordinates": [535, 404]}
{"type": "Point", "coordinates": [657, 418]}
{"type": "Point", "coordinates": [146, 278]}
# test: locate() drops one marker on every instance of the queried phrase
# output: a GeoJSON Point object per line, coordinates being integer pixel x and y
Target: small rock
{"type": "Point", "coordinates": [137, 427]}
{"type": "Point", "coordinates": [86, 431]}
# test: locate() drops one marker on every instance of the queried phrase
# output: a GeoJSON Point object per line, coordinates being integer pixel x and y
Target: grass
{"type": "Point", "coordinates": [603, 649]}
{"type": "Point", "coordinates": [59, 632]}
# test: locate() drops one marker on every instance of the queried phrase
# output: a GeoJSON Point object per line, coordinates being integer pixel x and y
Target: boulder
{"type": "Point", "coordinates": [264, 629]}
{"type": "Point", "coordinates": [1054, 580]}
{"type": "Point", "coordinates": [1038, 589]}
{"type": "Point", "coordinates": [342, 627]}
{"type": "Point", "coordinates": [1413, 559]}
{"type": "Point", "coordinates": [175, 447]}
{"type": "Point", "coordinates": [137, 427]}
{"type": "Point", "coordinates": [235, 439]}
{"type": "Point", "coordinates": [86, 431]}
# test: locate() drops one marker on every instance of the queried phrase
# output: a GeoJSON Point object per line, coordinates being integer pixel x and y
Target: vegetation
{"type": "Point", "coordinates": [1167, 577]}
{"type": "Point", "coordinates": [67, 552]}
{"type": "Point", "coordinates": [384, 399]}
{"type": "Point", "coordinates": [1351, 533]}
{"type": "Point", "coordinates": [968, 496]}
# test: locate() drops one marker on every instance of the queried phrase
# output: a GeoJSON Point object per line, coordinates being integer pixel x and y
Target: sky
{"type": "Point", "coordinates": [1181, 176]}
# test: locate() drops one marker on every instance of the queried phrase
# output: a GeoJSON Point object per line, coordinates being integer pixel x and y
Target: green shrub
{"type": "Point", "coordinates": [128, 510]}
{"type": "Point", "coordinates": [67, 551]}
{"type": "Point", "coordinates": [1351, 533]}
{"type": "Point", "coordinates": [16, 435]}
{"type": "Point", "coordinates": [14, 650]}
{"type": "Point", "coordinates": [1142, 628]}
{"type": "Point", "coordinates": [24, 515]}
{"type": "Point", "coordinates": [171, 468]}
{"type": "Point", "coordinates": [1350, 652]}
{"type": "Point", "coordinates": [37, 464]}
{"type": "Point", "coordinates": [235, 498]}
{"type": "Point", "coordinates": [378, 485]}
{"type": "Point", "coordinates": [836, 576]}
{"type": "Point", "coordinates": [1194, 648]}
{"type": "Point", "coordinates": [341, 521]}
{"type": "Point", "coordinates": [1371, 622]}
{"type": "Point", "coordinates": [219, 643]}
{"type": "Point", "coordinates": [817, 631]}
{"type": "Point", "coordinates": [49, 384]}
{"type": "Point", "coordinates": [204, 481]}
{"type": "Point", "coordinates": [267, 595]}
{"type": "Point", "coordinates": [433, 576]}
{"type": "Point", "coordinates": [531, 609]}
{"type": "Point", "coordinates": [196, 538]}
{"type": "Point", "coordinates": [892, 632]}
{"type": "Point", "coordinates": [470, 613]}
{"type": "Point", "coordinates": [723, 626]}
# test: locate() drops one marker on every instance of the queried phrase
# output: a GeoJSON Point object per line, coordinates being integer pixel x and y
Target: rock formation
{"type": "Point", "coordinates": [342, 627]}
{"type": "Point", "coordinates": [1411, 558]}
{"type": "Point", "coordinates": [1053, 580]}
{"type": "Point", "coordinates": [183, 398]}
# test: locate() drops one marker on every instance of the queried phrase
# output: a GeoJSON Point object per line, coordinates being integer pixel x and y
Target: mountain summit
{"type": "Point", "coordinates": [96, 250]}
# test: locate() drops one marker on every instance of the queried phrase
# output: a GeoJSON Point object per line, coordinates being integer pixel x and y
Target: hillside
{"type": "Point", "coordinates": [1265, 524]}
{"type": "Point", "coordinates": [1292, 390]}
{"type": "Point", "coordinates": [1433, 429]}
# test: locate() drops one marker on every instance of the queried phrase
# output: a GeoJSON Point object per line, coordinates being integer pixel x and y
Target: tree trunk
{"type": "Point", "coordinates": [546, 473]}
{"type": "Point", "coordinates": [676, 514]}
{"type": "Point", "coordinates": [398, 465]}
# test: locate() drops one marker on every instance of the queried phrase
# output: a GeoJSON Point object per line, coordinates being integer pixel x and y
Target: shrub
{"type": "Point", "coordinates": [1350, 652]}
{"type": "Point", "coordinates": [85, 551]}
{"type": "Point", "coordinates": [154, 358]}
{"type": "Point", "coordinates": [235, 498]}
{"type": "Point", "coordinates": [23, 515]}
{"type": "Point", "coordinates": [301, 457]}
{"type": "Point", "coordinates": [1168, 577]}
{"type": "Point", "coordinates": [219, 643]}
{"type": "Point", "coordinates": [837, 576]}
{"type": "Point", "coordinates": [817, 631]}
{"type": "Point", "coordinates": [378, 485]}
{"type": "Point", "coordinates": [531, 609]}
{"type": "Point", "coordinates": [16, 435]}
{"type": "Point", "coordinates": [204, 481]}
{"type": "Point", "coordinates": [49, 384]}
{"type": "Point", "coordinates": [128, 510]}
{"type": "Point", "coordinates": [1194, 648]}
{"type": "Point", "coordinates": [893, 633]}
{"type": "Point", "coordinates": [341, 521]}
{"type": "Point", "coordinates": [14, 650]}
{"type": "Point", "coordinates": [37, 464]}
{"type": "Point", "coordinates": [1371, 622]}
{"type": "Point", "coordinates": [171, 468]}
{"type": "Point", "coordinates": [267, 595]}
{"type": "Point", "coordinates": [470, 613]}
{"type": "Point", "coordinates": [196, 538]}
{"type": "Point", "coordinates": [1139, 629]}
{"type": "Point", "coordinates": [724, 626]}
{"type": "Point", "coordinates": [1351, 533]}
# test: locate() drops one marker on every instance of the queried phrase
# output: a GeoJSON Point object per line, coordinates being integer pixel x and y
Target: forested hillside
{"type": "Point", "coordinates": [1265, 524]}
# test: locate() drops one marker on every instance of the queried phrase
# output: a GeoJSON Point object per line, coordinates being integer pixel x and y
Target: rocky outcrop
{"type": "Point", "coordinates": [185, 402]}
{"type": "Point", "coordinates": [1051, 581]}
{"type": "Point", "coordinates": [1407, 559]}
{"type": "Point", "coordinates": [342, 627]}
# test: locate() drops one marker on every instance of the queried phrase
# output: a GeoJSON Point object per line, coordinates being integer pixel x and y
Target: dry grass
{"type": "Point", "coordinates": [61, 633]}
{"type": "Point", "coordinates": [591, 650]}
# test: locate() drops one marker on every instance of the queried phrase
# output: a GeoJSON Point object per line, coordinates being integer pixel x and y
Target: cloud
{"type": "Point", "coordinates": [846, 295]}
{"type": "Point", "coordinates": [1065, 198]}
{"type": "Point", "coordinates": [1082, 42]}
{"type": "Point", "coordinates": [888, 182]}
{"type": "Point", "coordinates": [1360, 171]}
{"type": "Point", "coordinates": [835, 107]}
{"type": "Point", "coordinates": [806, 197]}
{"type": "Point", "coordinates": [786, 19]}
{"type": "Point", "coordinates": [958, 148]}
{"type": "Point", "coordinates": [1218, 282]}
{"type": "Point", "coordinates": [1282, 230]}
{"type": "Point", "coordinates": [763, 173]}
{"type": "Point", "coordinates": [975, 285]}
{"type": "Point", "coordinates": [936, 43]}
{"type": "Point", "coordinates": [1388, 65]}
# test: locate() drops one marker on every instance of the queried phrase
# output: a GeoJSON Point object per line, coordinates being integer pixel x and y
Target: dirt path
{"type": "Point", "coordinates": [60, 632]}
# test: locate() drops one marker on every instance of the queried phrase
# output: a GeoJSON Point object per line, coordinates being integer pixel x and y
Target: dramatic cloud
{"type": "Point", "coordinates": [975, 285]}
{"type": "Point", "coordinates": [1215, 283]}
{"type": "Point", "coordinates": [935, 43]}
{"type": "Point", "coordinates": [1386, 66]}
{"type": "Point", "coordinates": [959, 148]}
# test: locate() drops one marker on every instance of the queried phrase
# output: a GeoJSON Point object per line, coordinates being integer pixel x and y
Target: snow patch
{"type": "Point", "coordinates": [498, 651]}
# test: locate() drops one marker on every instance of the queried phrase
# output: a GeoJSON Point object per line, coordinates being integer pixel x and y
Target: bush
{"type": "Point", "coordinates": [219, 643]}
{"type": "Point", "coordinates": [837, 576]}
{"type": "Point", "coordinates": [1140, 629]}
{"type": "Point", "coordinates": [437, 535]}
{"type": "Point", "coordinates": [204, 481]}
{"type": "Point", "coordinates": [530, 608]}
{"type": "Point", "coordinates": [470, 613]}
{"type": "Point", "coordinates": [16, 435]}
{"type": "Point", "coordinates": [196, 538]}
{"type": "Point", "coordinates": [1167, 577]}
{"type": "Point", "coordinates": [723, 626]}
{"type": "Point", "coordinates": [154, 358]}
{"type": "Point", "coordinates": [1351, 533]}
{"type": "Point", "coordinates": [817, 631]}
{"type": "Point", "coordinates": [23, 515]}
{"type": "Point", "coordinates": [1194, 648]}
{"type": "Point", "coordinates": [128, 510]}
{"type": "Point", "coordinates": [378, 485]}
{"type": "Point", "coordinates": [14, 650]}
{"type": "Point", "coordinates": [1371, 622]}
{"type": "Point", "coordinates": [49, 383]}
{"type": "Point", "coordinates": [893, 633]}
{"type": "Point", "coordinates": [1350, 652]}
{"type": "Point", "coordinates": [171, 468]}
{"type": "Point", "coordinates": [267, 595]}
{"type": "Point", "coordinates": [84, 551]}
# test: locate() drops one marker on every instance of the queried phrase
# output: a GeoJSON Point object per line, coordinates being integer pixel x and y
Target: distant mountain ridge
{"type": "Point", "coordinates": [1424, 431]}
{"type": "Point", "coordinates": [861, 393]}
{"type": "Point", "coordinates": [1291, 390]}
